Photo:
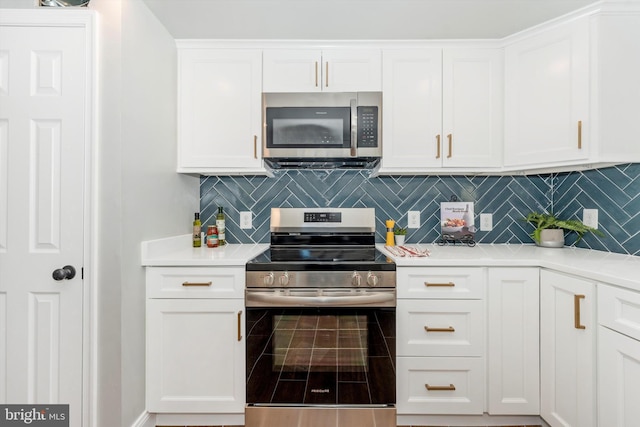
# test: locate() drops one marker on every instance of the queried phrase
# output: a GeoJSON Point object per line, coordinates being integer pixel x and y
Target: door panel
{"type": "Point", "coordinates": [43, 116]}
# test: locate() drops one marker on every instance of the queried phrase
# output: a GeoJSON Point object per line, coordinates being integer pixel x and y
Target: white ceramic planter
{"type": "Point", "coordinates": [551, 238]}
{"type": "Point", "coordinates": [399, 239]}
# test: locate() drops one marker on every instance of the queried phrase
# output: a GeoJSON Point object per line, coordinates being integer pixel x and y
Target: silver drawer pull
{"type": "Point", "coordinates": [196, 284]}
{"type": "Point", "coordinates": [449, 387]}
{"type": "Point", "coordinates": [440, 285]}
{"type": "Point", "coordinates": [449, 329]}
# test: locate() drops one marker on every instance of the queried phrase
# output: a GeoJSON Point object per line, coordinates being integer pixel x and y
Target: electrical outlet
{"type": "Point", "coordinates": [486, 222]}
{"type": "Point", "coordinates": [413, 219]}
{"type": "Point", "coordinates": [590, 217]}
{"type": "Point", "coordinates": [245, 219]}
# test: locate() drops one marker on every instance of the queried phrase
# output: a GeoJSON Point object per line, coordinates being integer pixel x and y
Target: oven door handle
{"type": "Point", "coordinates": [270, 299]}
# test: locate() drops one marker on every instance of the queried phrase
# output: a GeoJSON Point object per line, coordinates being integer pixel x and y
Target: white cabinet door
{"type": "Point", "coordinates": [412, 119]}
{"type": "Point", "coordinates": [618, 379]}
{"type": "Point", "coordinates": [219, 111]}
{"type": "Point", "coordinates": [567, 350]}
{"type": "Point", "coordinates": [352, 70]}
{"type": "Point", "coordinates": [442, 108]}
{"type": "Point", "coordinates": [440, 327]}
{"type": "Point", "coordinates": [338, 70]}
{"type": "Point", "coordinates": [292, 70]}
{"type": "Point", "coordinates": [45, 136]}
{"type": "Point", "coordinates": [547, 96]}
{"type": "Point", "coordinates": [472, 108]}
{"type": "Point", "coordinates": [513, 345]}
{"type": "Point", "coordinates": [440, 385]}
{"type": "Point", "coordinates": [195, 355]}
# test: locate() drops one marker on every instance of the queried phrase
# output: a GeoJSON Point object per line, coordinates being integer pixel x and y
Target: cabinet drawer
{"type": "Point", "coordinates": [619, 309]}
{"type": "Point", "coordinates": [441, 283]}
{"type": "Point", "coordinates": [440, 328]}
{"type": "Point", "coordinates": [440, 385]}
{"type": "Point", "coordinates": [195, 282]}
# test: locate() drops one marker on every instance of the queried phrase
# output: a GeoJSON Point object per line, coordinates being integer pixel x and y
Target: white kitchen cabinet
{"type": "Point", "coordinates": [440, 330]}
{"type": "Point", "coordinates": [513, 377]}
{"type": "Point", "coordinates": [618, 356]}
{"type": "Point", "coordinates": [219, 110]}
{"type": "Point", "coordinates": [440, 385]}
{"type": "Point", "coordinates": [443, 108]}
{"type": "Point", "coordinates": [567, 350]}
{"type": "Point", "coordinates": [195, 340]}
{"type": "Point", "coordinates": [322, 70]}
{"type": "Point", "coordinates": [571, 92]}
{"type": "Point", "coordinates": [547, 96]}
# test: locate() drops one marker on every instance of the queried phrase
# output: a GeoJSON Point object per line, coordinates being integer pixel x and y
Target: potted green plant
{"type": "Point", "coordinates": [549, 230]}
{"type": "Point", "coordinates": [400, 234]}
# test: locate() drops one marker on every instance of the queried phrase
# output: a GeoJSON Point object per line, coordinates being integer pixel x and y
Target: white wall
{"type": "Point", "coordinates": [139, 195]}
{"type": "Point", "coordinates": [156, 201]}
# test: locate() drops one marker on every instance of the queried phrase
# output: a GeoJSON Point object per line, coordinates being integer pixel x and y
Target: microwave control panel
{"type": "Point", "coordinates": [367, 126]}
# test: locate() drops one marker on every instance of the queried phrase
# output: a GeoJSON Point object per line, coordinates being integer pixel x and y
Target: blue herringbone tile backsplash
{"type": "Point", "coordinates": [613, 191]}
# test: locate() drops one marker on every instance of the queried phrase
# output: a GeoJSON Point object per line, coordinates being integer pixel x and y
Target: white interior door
{"type": "Point", "coordinates": [43, 89]}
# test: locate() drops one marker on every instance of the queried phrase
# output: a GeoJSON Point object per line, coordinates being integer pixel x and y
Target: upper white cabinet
{"type": "Point", "coordinates": [332, 70]}
{"type": "Point", "coordinates": [443, 108]}
{"type": "Point", "coordinates": [571, 92]}
{"type": "Point", "coordinates": [219, 110]}
{"type": "Point", "coordinates": [547, 96]}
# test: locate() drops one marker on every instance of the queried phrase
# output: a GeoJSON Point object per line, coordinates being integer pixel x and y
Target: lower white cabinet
{"type": "Point", "coordinates": [195, 346]}
{"type": "Point", "coordinates": [440, 385]}
{"type": "Point", "coordinates": [618, 356]}
{"type": "Point", "coordinates": [567, 350]}
{"type": "Point", "coordinates": [513, 351]}
{"type": "Point", "coordinates": [440, 341]}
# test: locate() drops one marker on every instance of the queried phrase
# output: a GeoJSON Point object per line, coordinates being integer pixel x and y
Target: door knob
{"type": "Point", "coordinates": [65, 273]}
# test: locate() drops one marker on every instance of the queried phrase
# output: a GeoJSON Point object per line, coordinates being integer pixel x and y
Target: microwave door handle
{"type": "Point", "coordinates": [354, 127]}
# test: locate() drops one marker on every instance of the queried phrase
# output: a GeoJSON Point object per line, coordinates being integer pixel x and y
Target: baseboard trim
{"type": "Point", "coordinates": [145, 420]}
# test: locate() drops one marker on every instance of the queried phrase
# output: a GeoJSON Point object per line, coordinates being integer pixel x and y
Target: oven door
{"type": "Point", "coordinates": [307, 356]}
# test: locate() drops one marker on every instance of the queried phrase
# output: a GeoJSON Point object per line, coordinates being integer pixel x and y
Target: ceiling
{"type": "Point", "coordinates": [354, 19]}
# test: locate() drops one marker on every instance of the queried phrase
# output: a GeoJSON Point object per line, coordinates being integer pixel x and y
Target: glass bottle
{"type": "Point", "coordinates": [197, 231]}
{"type": "Point", "coordinates": [220, 223]}
{"type": "Point", "coordinates": [212, 236]}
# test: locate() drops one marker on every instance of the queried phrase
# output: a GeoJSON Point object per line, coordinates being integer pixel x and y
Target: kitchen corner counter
{"type": "Point", "coordinates": [618, 269]}
{"type": "Point", "coordinates": [177, 251]}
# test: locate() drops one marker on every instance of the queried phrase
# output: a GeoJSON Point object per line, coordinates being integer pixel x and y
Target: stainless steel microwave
{"type": "Point", "coordinates": [322, 127]}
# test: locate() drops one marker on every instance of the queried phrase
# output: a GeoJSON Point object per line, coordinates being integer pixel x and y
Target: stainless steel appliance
{"type": "Point", "coordinates": [321, 305]}
{"type": "Point", "coordinates": [321, 128]}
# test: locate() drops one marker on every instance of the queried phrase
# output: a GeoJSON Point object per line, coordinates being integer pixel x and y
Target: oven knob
{"type": "Point", "coordinates": [356, 279]}
{"type": "Point", "coordinates": [372, 279]}
{"type": "Point", "coordinates": [284, 279]}
{"type": "Point", "coordinates": [268, 279]}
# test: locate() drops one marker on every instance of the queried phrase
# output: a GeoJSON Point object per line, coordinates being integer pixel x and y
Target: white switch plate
{"type": "Point", "coordinates": [245, 219]}
{"type": "Point", "coordinates": [486, 222]}
{"type": "Point", "coordinates": [590, 217]}
{"type": "Point", "coordinates": [413, 219]}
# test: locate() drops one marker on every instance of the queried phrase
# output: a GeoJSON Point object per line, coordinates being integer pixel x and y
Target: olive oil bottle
{"type": "Point", "coordinates": [197, 231]}
{"type": "Point", "coordinates": [220, 223]}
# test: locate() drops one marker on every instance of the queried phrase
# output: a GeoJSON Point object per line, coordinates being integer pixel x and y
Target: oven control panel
{"type": "Point", "coordinates": [322, 217]}
{"type": "Point", "coordinates": [321, 279]}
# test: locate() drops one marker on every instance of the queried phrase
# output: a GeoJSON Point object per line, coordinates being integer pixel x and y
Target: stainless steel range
{"type": "Point", "coordinates": [321, 323]}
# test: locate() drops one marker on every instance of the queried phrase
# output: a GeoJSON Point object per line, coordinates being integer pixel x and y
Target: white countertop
{"type": "Point", "coordinates": [177, 251]}
{"type": "Point", "coordinates": [621, 270]}
{"type": "Point", "coordinates": [618, 269]}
